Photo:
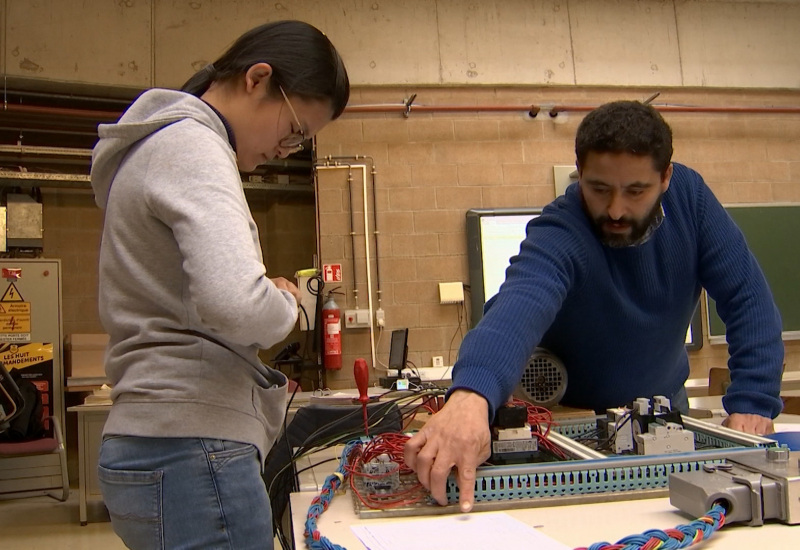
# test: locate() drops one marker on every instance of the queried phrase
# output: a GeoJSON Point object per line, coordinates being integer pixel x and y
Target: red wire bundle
{"type": "Point", "coordinates": [541, 419]}
{"type": "Point", "coordinates": [390, 444]}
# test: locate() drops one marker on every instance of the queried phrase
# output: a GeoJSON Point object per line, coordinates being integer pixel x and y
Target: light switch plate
{"type": "Point", "coordinates": [562, 177]}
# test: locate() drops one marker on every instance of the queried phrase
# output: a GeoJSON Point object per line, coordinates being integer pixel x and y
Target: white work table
{"type": "Point", "coordinates": [91, 419]}
{"type": "Point", "coordinates": [576, 525]}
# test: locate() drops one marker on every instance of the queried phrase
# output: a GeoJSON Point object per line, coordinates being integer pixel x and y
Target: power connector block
{"type": "Point", "coordinates": [394, 382]}
{"type": "Point", "coordinates": [380, 317]}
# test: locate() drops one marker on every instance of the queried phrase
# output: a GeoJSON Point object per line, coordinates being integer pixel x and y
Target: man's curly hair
{"type": "Point", "coordinates": [625, 127]}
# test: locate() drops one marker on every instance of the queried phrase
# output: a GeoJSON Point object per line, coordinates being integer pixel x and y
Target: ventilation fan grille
{"type": "Point", "coordinates": [544, 379]}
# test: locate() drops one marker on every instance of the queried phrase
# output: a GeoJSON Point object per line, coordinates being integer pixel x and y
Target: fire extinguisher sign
{"type": "Point", "coordinates": [332, 273]}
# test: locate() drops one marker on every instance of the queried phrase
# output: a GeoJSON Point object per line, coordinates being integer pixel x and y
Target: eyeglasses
{"type": "Point", "coordinates": [294, 140]}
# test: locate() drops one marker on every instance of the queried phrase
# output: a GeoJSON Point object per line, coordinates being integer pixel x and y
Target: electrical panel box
{"type": "Point", "coordinates": [23, 222]}
{"type": "Point", "coordinates": [31, 337]}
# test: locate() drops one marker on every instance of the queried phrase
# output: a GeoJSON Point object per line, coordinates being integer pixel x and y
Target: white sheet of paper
{"type": "Point", "coordinates": [486, 530]}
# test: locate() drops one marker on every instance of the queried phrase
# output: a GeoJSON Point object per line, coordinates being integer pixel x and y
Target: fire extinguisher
{"type": "Point", "coordinates": [332, 334]}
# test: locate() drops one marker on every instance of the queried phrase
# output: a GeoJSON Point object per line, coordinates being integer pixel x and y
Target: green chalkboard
{"type": "Point", "coordinates": [773, 234]}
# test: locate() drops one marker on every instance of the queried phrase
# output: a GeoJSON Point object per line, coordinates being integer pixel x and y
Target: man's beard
{"type": "Point", "coordinates": [639, 229]}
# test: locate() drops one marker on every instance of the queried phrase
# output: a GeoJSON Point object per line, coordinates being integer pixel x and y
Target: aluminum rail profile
{"type": "Point", "coordinates": [573, 448]}
{"type": "Point", "coordinates": [734, 436]}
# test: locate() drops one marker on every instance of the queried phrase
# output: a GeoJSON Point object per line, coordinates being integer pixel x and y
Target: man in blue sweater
{"type": "Point", "coordinates": [607, 279]}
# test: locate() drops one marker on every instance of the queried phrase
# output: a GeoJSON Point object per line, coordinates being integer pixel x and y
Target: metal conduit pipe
{"type": "Point", "coordinates": [328, 165]}
{"type": "Point", "coordinates": [352, 230]}
{"type": "Point", "coordinates": [375, 231]}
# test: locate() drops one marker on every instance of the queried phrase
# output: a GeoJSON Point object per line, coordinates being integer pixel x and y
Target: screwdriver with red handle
{"type": "Point", "coordinates": [361, 373]}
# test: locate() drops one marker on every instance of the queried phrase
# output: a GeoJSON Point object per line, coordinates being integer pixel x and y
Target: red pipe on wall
{"type": "Point", "coordinates": [60, 111]}
{"type": "Point", "coordinates": [407, 109]}
{"type": "Point", "coordinates": [401, 108]}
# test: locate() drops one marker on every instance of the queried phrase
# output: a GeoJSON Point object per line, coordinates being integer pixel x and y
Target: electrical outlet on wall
{"type": "Point", "coordinates": [437, 360]}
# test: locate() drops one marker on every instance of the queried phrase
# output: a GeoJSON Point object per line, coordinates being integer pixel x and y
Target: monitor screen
{"type": "Point", "coordinates": [398, 350]}
{"type": "Point", "coordinates": [493, 237]}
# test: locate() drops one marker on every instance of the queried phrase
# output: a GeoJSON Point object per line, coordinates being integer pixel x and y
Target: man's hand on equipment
{"type": "Point", "coordinates": [457, 436]}
{"type": "Point", "coordinates": [749, 423]}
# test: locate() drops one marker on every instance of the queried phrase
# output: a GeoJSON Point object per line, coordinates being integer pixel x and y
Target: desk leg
{"type": "Point", "coordinates": [82, 442]}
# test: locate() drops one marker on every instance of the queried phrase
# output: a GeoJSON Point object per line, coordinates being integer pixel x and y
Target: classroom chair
{"type": "Point", "coordinates": [18, 478]}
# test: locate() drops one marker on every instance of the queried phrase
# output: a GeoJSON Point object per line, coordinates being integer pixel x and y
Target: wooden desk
{"type": "Point", "coordinates": [91, 419]}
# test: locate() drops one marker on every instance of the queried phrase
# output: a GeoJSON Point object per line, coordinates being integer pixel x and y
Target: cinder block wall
{"type": "Point", "coordinates": [431, 168]}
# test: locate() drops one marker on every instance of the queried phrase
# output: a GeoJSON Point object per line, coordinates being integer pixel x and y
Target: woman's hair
{"type": "Point", "coordinates": [625, 127]}
{"type": "Point", "coordinates": [303, 61]}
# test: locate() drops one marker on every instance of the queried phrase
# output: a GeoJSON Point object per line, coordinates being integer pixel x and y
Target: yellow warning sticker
{"type": "Point", "coordinates": [15, 317]}
{"type": "Point", "coordinates": [11, 294]}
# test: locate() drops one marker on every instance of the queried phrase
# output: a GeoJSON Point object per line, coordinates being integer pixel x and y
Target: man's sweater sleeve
{"type": "Point", "coordinates": [493, 354]}
{"type": "Point", "coordinates": [732, 277]}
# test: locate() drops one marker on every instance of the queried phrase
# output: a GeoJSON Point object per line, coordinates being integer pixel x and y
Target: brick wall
{"type": "Point", "coordinates": [431, 168]}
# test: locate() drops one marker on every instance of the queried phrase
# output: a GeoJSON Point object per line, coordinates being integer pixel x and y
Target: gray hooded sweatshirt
{"type": "Point", "coordinates": [184, 293]}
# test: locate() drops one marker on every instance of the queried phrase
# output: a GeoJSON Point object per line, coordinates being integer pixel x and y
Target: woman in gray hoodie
{"type": "Point", "coordinates": [184, 293]}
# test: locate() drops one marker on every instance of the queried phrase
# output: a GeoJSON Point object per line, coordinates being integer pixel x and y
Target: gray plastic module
{"type": "Point", "coordinates": [753, 488]}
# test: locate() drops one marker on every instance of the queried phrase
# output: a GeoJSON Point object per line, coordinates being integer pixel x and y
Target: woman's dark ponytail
{"type": "Point", "coordinates": [199, 83]}
{"type": "Point", "coordinates": [303, 61]}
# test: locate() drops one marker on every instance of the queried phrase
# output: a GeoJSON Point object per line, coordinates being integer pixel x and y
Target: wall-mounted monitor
{"type": "Point", "coordinates": [493, 237]}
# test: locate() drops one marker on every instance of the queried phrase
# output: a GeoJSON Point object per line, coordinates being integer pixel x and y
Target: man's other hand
{"type": "Point", "coordinates": [457, 436]}
{"type": "Point", "coordinates": [749, 424]}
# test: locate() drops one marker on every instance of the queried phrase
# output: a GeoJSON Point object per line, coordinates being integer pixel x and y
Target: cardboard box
{"type": "Point", "coordinates": [84, 355]}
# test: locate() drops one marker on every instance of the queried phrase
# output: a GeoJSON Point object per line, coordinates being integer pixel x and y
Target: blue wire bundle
{"type": "Point", "coordinates": [682, 536]}
{"type": "Point", "coordinates": [314, 540]}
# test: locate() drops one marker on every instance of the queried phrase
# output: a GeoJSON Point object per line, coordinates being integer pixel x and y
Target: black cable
{"type": "Point", "coordinates": [305, 357]}
{"type": "Point", "coordinates": [276, 523]}
{"type": "Point", "coordinates": [305, 314]}
{"type": "Point", "coordinates": [319, 288]}
{"type": "Point", "coordinates": [375, 417]}
{"type": "Point", "coordinates": [414, 368]}
{"type": "Point", "coordinates": [606, 445]}
{"type": "Point", "coordinates": [457, 332]}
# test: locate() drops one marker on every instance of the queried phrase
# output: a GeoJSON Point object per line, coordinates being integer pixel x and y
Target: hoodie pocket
{"type": "Point", "coordinates": [270, 406]}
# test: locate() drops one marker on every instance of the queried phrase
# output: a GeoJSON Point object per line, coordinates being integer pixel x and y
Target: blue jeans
{"type": "Point", "coordinates": [185, 493]}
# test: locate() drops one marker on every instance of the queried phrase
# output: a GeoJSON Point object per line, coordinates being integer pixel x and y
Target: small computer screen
{"type": "Point", "coordinates": [398, 351]}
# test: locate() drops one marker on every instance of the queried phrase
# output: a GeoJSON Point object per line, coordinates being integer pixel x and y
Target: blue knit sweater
{"type": "Point", "coordinates": [617, 317]}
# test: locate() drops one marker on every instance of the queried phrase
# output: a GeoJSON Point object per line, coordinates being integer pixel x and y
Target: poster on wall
{"type": "Point", "coordinates": [34, 362]}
